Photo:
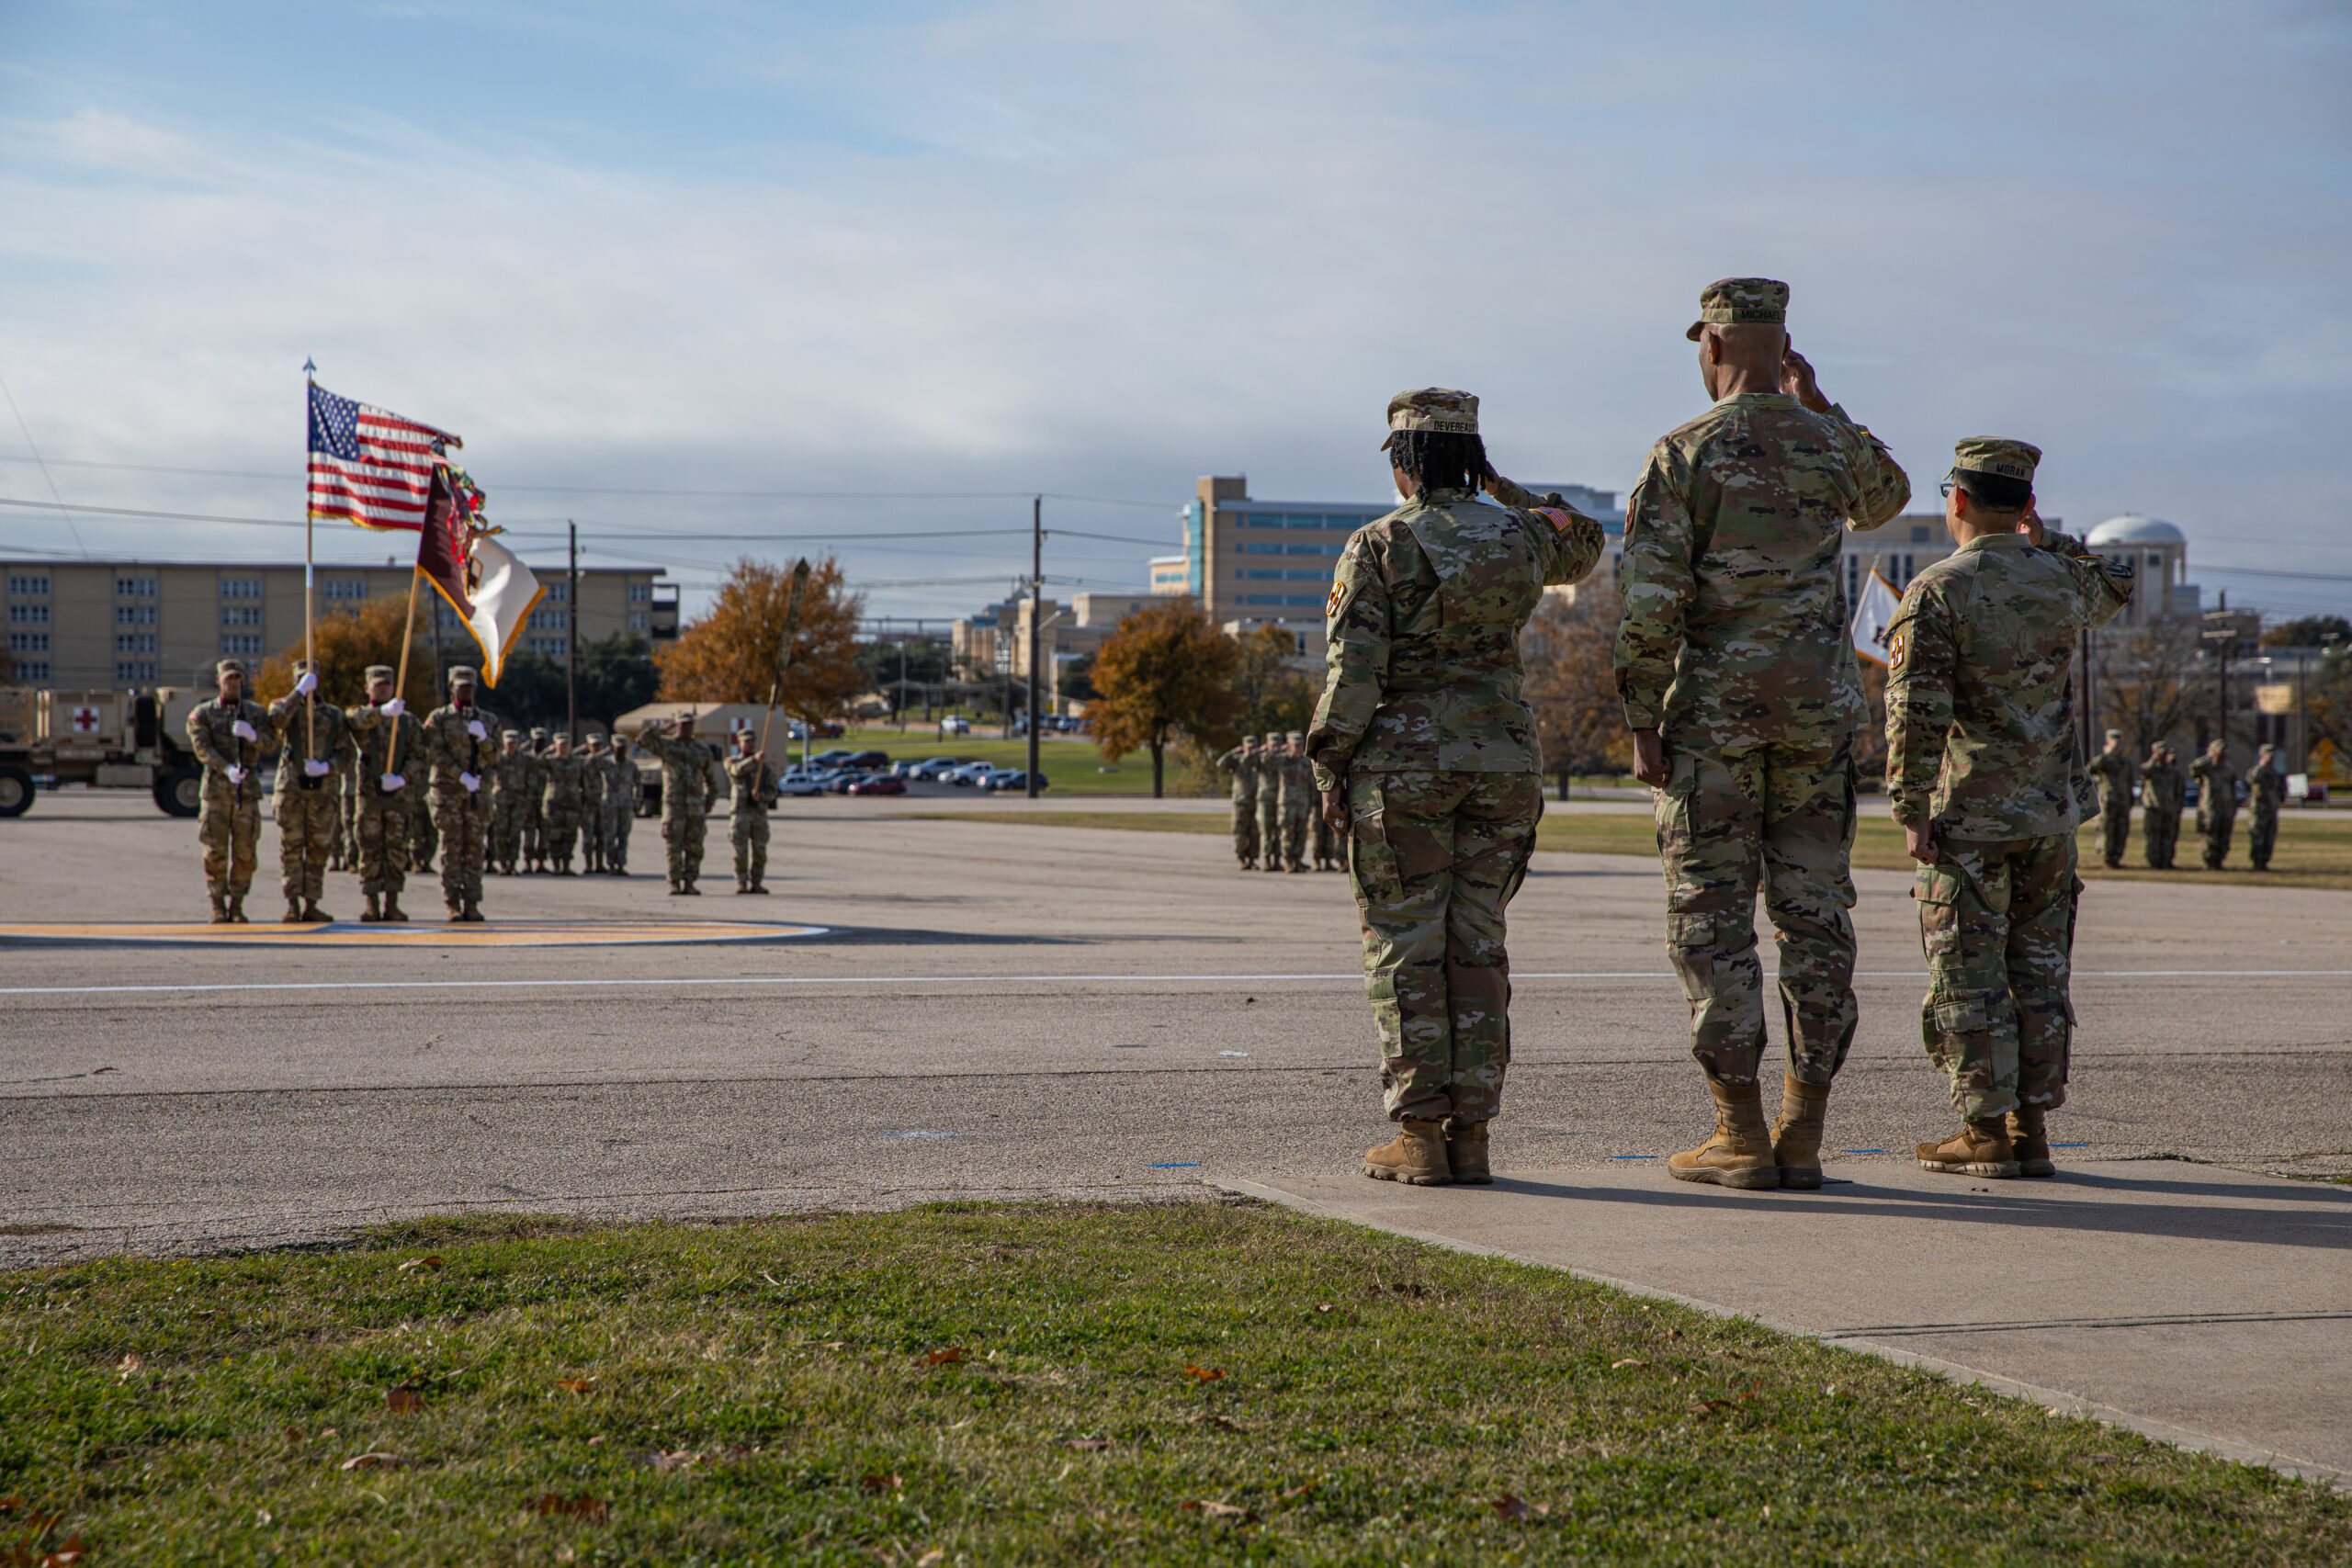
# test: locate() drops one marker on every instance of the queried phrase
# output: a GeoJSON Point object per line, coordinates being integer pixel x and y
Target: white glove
{"type": "Point", "coordinates": [307, 685]}
{"type": "Point", "coordinates": [474, 728]}
{"type": "Point", "coordinates": [393, 709]}
{"type": "Point", "coordinates": [316, 767]}
{"type": "Point", "coordinates": [392, 782]}
{"type": "Point", "coordinates": [470, 781]}
{"type": "Point", "coordinates": [242, 731]}
{"type": "Point", "coordinates": [237, 773]}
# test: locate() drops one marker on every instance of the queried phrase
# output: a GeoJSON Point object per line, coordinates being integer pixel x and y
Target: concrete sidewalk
{"type": "Point", "coordinates": [2206, 1307]}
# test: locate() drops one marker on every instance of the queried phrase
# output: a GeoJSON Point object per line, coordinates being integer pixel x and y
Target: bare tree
{"type": "Point", "coordinates": [1569, 650]}
{"type": "Point", "coordinates": [2150, 682]}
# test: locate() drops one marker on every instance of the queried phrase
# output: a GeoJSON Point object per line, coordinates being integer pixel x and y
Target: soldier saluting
{"type": "Point", "coordinates": [228, 732]}
{"type": "Point", "coordinates": [2116, 775]}
{"type": "Point", "coordinates": [690, 776]}
{"type": "Point", "coordinates": [459, 742]}
{"type": "Point", "coordinates": [314, 751]}
{"type": "Point", "coordinates": [1980, 750]}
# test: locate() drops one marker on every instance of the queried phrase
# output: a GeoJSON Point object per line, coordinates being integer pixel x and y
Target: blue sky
{"type": "Point", "coordinates": [956, 253]}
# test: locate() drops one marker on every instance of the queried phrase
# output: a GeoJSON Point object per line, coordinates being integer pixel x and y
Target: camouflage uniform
{"type": "Point", "coordinates": [395, 747]}
{"type": "Point", "coordinates": [2161, 793]}
{"type": "Point", "coordinates": [2116, 776]}
{"type": "Point", "coordinates": [339, 841]}
{"type": "Point", "coordinates": [535, 849]}
{"type": "Point", "coordinates": [462, 740]}
{"type": "Point", "coordinates": [1242, 764]}
{"type": "Point", "coordinates": [1268, 832]}
{"type": "Point", "coordinates": [689, 773]}
{"type": "Point", "coordinates": [592, 779]}
{"type": "Point", "coordinates": [308, 806]}
{"type": "Point", "coordinates": [510, 780]}
{"type": "Point", "coordinates": [1299, 802]}
{"type": "Point", "coordinates": [229, 824]}
{"type": "Point", "coordinates": [2216, 804]}
{"type": "Point", "coordinates": [621, 807]}
{"type": "Point", "coordinates": [1980, 734]}
{"type": "Point", "coordinates": [560, 808]}
{"type": "Point", "coordinates": [1734, 647]}
{"type": "Point", "coordinates": [2266, 790]}
{"type": "Point", "coordinates": [1422, 725]}
{"type": "Point", "coordinates": [751, 786]}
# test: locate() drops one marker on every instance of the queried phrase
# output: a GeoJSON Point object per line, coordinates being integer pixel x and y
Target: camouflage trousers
{"type": "Point", "coordinates": [1244, 830]}
{"type": "Point", "coordinates": [747, 831]}
{"type": "Point", "coordinates": [2261, 838]}
{"type": "Point", "coordinates": [424, 839]}
{"type": "Point", "coordinates": [1326, 841]}
{"type": "Point", "coordinates": [2216, 826]}
{"type": "Point", "coordinates": [619, 816]}
{"type": "Point", "coordinates": [505, 832]}
{"type": "Point", "coordinates": [383, 833]}
{"type": "Point", "coordinates": [228, 826]}
{"type": "Point", "coordinates": [1270, 831]}
{"type": "Point", "coordinates": [591, 836]}
{"type": "Point", "coordinates": [682, 835]}
{"type": "Point", "coordinates": [2114, 834]}
{"type": "Point", "coordinates": [1434, 859]}
{"type": "Point", "coordinates": [339, 845]}
{"type": "Point", "coordinates": [2160, 837]}
{"type": "Point", "coordinates": [1781, 816]}
{"type": "Point", "coordinates": [560, 834]}
{"type": "Point", "coordinates": [535, 851]}
{"type": "Point", "coordinates": [1298, 831]}
{"type": "Point", "coordinates": [306, 826]}
{"type": "Point", "coordinates": [462, 820]}
{"type": "Point", "coordinates": [1997, 923]}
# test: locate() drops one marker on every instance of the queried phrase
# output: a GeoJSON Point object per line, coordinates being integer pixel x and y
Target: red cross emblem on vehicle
{"type": "Point", "coordinates": [86, 721]}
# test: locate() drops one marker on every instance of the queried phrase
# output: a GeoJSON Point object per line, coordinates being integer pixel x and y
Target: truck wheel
{"type": "Point", "coordinates": [180, 793]}
{"type": "Point", "coordinates": [15, 791]}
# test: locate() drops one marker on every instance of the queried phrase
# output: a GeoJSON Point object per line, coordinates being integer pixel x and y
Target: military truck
{"type": "Point", "coordinates": [104, 739]}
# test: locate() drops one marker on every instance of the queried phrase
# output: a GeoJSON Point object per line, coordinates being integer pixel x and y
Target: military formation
{"type": "Point", "coordinates": [1275, 824]}
{"type": "Point", "coordinates": [1742, 694]}
{"type": "Point", "coordinates": [379, 791]}
{"type": "Point", "coordinates": [2157, 786]}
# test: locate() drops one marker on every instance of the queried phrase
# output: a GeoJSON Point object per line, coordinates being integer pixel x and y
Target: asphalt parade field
{"type": "Point", "coordinates": [957, 1009]}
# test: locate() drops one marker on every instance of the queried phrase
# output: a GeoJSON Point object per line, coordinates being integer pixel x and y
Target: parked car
{"type": "Point", "coordinates": [953, 726]}
{"type": "Point", "coordinates": [1012, 779]}
{"type": "Point", "coordinates": [968, 775]}
{"type": "Point", "coordinates": [838, 757]}
{"type": "Point", "coordinates": [839, 779]}
{"type": "Point", "coordinates": [800, 781]}
{"type": "Point", "coordinates": [932, 767]}
{"type": "Point", "coordinates": [878, 783]}
{"type": "Point", "coordinates": [872, 762]}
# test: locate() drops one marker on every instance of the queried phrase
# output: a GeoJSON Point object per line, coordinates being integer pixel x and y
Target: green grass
{"type": "Point", "coordinates": [968, 1384]}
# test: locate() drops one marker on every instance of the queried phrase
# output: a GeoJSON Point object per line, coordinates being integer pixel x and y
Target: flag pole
{"type": "Point", "coordinates": [310, 591]}
{"type": "Point", "coordinates": [784, 652]}
{"type": "Point", "coordinates": [399, 689]}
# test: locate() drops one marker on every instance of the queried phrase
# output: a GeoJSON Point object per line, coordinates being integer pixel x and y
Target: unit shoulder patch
{"type": "Point", "coordinates": [1896, 646]}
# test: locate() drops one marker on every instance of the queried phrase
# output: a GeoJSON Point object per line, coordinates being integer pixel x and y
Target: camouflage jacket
{"type": "Point", "coordinates": [1735, 629]}
{"type": "Point", "coordinates": [2265, 789]}
{"type": "Point", "coordinates": [751, 782]}
{"type": "Point", "coordinates": [212, 736]}
{"type": "Point", "coordinates": [1243, 766]}
{"type": "Point", "coordinates": [374, 739]}
{"type": "Point", "coordinates": [620, 781]}
{"type": "Point", "coordinates": [2115, 773]}
{"type": "Point", "coordinates": [323, 736]}
{"type": "Point", "coordinates": [594, 777]}
{"type": "Point", "coordinates": [1980, 715]}
{"type": "Point", "coordinates": [1424, 620]}
{"type": "Point", "coordinates": [559, 785]}
{"type": "Point", "coordinates": [453, 747]}
{"type": "Point", "coordinates": [2216, 787]}
{"type": "Point", "coordinates": [1298, 776]}
{"type": "Point", "coordinates": [690, 773]}
{"type": "Point", "coordinates": [511, 776]}
{"type": "Point", "coordinates": [2161, 787]}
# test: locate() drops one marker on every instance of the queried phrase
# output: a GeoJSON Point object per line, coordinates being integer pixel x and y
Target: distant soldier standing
{"type": "Point", "coordinates": [592, 779]}
{"type": "Point", "coordinates": [229, 733]}
{"type": "Point", "coordinates": [690, 774]}
{"type": "Point", "coordinates": [1741, 689]}
{"type": "Point", "coordinates": [560, 804]}
{"type": "Point", "coordinates": [1424, 752]}
{"type": "Point", "coordinates": [1242, 764]}
{"type": "Point", "coordinates": [752, 789]}
{"type": "Point", "coordinates": [2217, 802]}
{"type": "Point", "coordinates": [2265, 789]}
{"type": "Point", "coordinates": [1980, 736]}
{"type": "Point", "coordinates": [424, 841]}
{"type": "Point", "coordinates": [391, 745]}
{"type": "Point", "coordinates": [620, 805]}
{"type": "Point", "coordinates": [1299, 800]}
{"type": "Point", "coordinates": [1270, 802]}
{"type": "Point", "coordinates": [2116, 775]}
{"type": "Point", "coordinates": [457, 742]}
{"type": "Point", "coordinates": [2161, 795]}
{"type": "Point", "coordinates": [535, 849]}
{"type": "Point", "coordinates": [314, 756]}
{"type": "Point", "coordinates": [509, 779]}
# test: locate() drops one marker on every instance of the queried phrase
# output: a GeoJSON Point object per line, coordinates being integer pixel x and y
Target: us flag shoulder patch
{"type": "Point", "coordinates": [1557, 518]}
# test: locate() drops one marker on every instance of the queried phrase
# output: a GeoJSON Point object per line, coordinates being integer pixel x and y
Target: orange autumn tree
{"type": "Point", "coordinates": [1569, 650]}
{"type": "Point", "coordinates": [728, 654]}
{"type": "Point", "coordinates": [349, 640]}
{"type": "Point", "coordinates": [1167, 671]}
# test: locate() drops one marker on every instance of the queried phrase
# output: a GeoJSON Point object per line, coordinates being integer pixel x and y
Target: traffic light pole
{"type": "Point", "coordinates": [1037, 613]}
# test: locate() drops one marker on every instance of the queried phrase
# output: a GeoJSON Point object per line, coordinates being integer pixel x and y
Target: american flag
{"type": "Point", "coordinates": [369, 466]}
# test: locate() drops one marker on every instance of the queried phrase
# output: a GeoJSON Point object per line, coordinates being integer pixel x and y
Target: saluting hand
{"type": "Point", "coordinates": [1798, 380]}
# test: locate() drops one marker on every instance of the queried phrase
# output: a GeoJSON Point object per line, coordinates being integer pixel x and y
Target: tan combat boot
{"type": "Point", "coordinates": [293, 916]}
{"type": "Point", "coordinates": [314, 915]}
{"type": "Point", "coordinates": [1740, 1153]}
{"type": "Point", "coordinates": [219, 909]}
{"type": "Point", "coordinates": [1796, 1138]}
{"type": "Point", "coordinates": [456, 914]}
{"type": "Point", "coordinates": [237, 909]}
{"type": "Point", "coordinates": [1981, 1148]}
{"type": "Point", "coordinates": [472, 915]}
{"type": "Point", "coordinates": [1417, 1155]}
{"type": "Point", "coordinates": [374, 913]}
{"type": "Point", "coordinates": [392, 910]}
{"type": "Point", "coordinates": [1466, 1154]}
{"type": "Point", "coordinates": [2030, 1141]}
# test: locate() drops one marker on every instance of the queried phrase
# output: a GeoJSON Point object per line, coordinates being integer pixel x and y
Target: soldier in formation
{"type": "Point", "coordinates": [2116, 775]}
{"type": "Point", "coordinates": [752, 789]}
{"type": "Point", "coordinates": [314, 757]}
{"type": "Point", "coordinates": [458, 745]}
{"type": "Point", "coordinates": [229, 733]}
{"type": "Point", "coordinates": [424, 841]}
{"type": "Point", "coordinates": [510, 779]}
{"type": "Point", "coordinates": [1979, 751]}
{"type": "Point", "coordinates": [690, 777]}
{"type": "Point", "coordinates": [2161, 795]}
{"type": "Point", "coordinates": [1424, 753]}
{"type": "Point", "coordinates": [620, 805]}
{"type": "Point", "coordinates": [1299, 800]}
{"type": "Point", "coordinates": [1270, 802]}
{"type": "Point", "coordinates": [1740, 686]}
{"type": "Point", "coordinates": [1242, 764]}
{"type": "Point", "coordinates": [560, 804]}
{"type": "Point", "coordinates": [593, 777]}
{"type": "Point", "coordinates": [2265, 789]}
{"type": "Point", "coordinates": [2217, 801]}
{"type": "Point", "coordinates": [390, 745]}
{"type": "Point", "coordinates": [534, 849]}
{"type": "Point", "coordinates": [341, 855]}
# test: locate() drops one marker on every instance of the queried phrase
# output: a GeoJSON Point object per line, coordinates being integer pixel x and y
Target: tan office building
{"type": "Point", "coordinates": [93, 625]}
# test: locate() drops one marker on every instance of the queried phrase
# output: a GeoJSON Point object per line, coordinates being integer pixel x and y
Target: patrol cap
{"type": "Point", "coordinates": [2115, 734]}
{"type": "Point", "coordinates": [1729, 301]}
{"type": "Point", "coordinates": [2268, 748]}
{"type": "Point", "coordinates": [538, 732]}
{"type": "Point", "coordinates": [461, 676]}
{"type": "Point", "coordinates": [228, 667]}
{"type": "Point", "coordinates": [1296, 737]}
{"type": "Point", "coordinates": [510, 735]}
{"type": "Point", "coordinates": [1991, 454]}
{"type": "Point", "coordinates": [1434, 407]}
{"type": "Point", "coordinates": [379, 672]}
{"type": "Point", "coordinates": [303, 667]}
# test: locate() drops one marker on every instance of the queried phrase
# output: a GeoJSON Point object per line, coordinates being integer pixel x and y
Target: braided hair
{"type": "Point", "coordinates": [1440, 459]}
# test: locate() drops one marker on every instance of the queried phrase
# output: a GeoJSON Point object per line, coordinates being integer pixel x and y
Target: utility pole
{"type": "Point", "coordinates": [572, 640]}
{"type": "Point", "coordinates": [1036, 614]}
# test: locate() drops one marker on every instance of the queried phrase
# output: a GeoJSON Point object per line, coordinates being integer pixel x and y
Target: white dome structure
{"type": "Point", "coordinates": [2131, 528]}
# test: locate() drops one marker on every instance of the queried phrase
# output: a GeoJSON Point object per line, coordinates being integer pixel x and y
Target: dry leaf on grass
{"type": "Point", "coordinates": [1709, 1406]}
{"type": "Point", "coordinates": [1216, 1510]}
{"type": "Point", "coordinates": [948, 1357]}
{"type": "Point", "coordinates": [67, 1554]}
{"type": "Point", "coordinates": [575, 1385]}
{"type": "Point", "coordinates": [932, 1559]}
{"type": "Point", "coordinates": [1205, 1374]}
{"type": "Point", "coordinates": [403, 1401]}
{"type": "Point", "coordinates": [581, 1507]}
{"type": "Point", "coordinates": [670, 1459]}
{"type": "Point", "coordinates": [1219, 1422]}
{"type": "Point", "coordinates": [433, 1263]}
{"type": "Point", "coordinates": [1512, 1508]}
{"type": "Point", "coordinates": [1628, 1362]}
{"type": "Point", "coordinates": [889, 1482]}
{"type": "Point", "coordinates": [129, 1365]}
{"type": "Point", "coordinates": [374, 1461]}
{"type": "Point", "coordinates": [1086, 1445]}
